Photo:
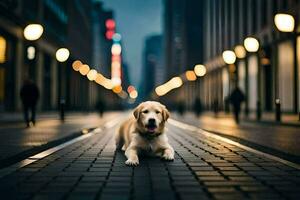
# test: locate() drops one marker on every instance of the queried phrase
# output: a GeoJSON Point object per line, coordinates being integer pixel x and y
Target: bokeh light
{"type": "Point", "coordinates": [33, 31]}
{"type": "Point", "coordinates": [190, 75]}
{"type": "Point", "coordinates": [240, 51]}
{"type": "Point", "coordinates": [76, 65]}
{"type": "Point", "coordinates": [284, 22]}
{"type": "Point", "coordinates": [62, 54]}
{"type": "Point", "coordinates": [84, 69]}
{"type": "Point", "coordinates": [229, 57]}
{"type": "Point", "coordinates": [92, 75]}
{"type": "Point", "coordinates": [251, 44]}
{"type": "Point", "coordinates": [117, 89]}
{"type": "Point", "coordinates": [133, 94]}
{"type": "Point", "coordinates": [200, 70]}
{"type": "Point", "coordinates": [116, 49]}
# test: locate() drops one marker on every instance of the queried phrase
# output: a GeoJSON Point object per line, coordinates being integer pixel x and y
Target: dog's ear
{"type": "Point", "coordinates": [165, 113]}
{"type": "Point", "coordinates": [137, 111]}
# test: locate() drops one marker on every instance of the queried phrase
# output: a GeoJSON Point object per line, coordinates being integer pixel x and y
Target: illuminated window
{"type": "Point", "coordinates": [2, 49]}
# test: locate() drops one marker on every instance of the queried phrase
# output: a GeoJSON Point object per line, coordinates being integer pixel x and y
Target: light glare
{"type": "Point", "coordinates": [284, 22]}
{"type": "Point", "coordinates": [33, 32]}
{"type": "Point", "coordinates": [62, 54]}
{"type": "Point", "coordinates": [251, 44]}
{"type": "Point", "coordinates": [229, 57]}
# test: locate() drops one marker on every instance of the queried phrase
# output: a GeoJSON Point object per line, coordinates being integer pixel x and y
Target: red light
{"type": "Point", "coordinates": [110, 24]}
{"type": "Point", "coordinates": [130, 89]}
{"type": "Point", "coordinates": [109, 34]}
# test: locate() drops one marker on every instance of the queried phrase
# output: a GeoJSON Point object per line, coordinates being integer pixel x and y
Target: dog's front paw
{"type": "Point", "coordinates": [132, 162]}
{"type": "Point", "coordinates": [168, 156]}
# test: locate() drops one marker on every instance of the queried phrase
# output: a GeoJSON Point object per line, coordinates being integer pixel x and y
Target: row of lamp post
{"type": "Point", "coordinates": [177, 81]}
{"type": "Point", "coordinates": [33, 32]}
{"type": "Point", "coordinates": [284, 23]}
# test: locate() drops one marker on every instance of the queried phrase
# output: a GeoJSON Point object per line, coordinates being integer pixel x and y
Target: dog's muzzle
{"type": "Point", "coordinates": [151, 126]}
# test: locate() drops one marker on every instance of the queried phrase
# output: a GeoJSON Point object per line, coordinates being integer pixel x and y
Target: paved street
{"type": "Point", "coordinates": [275, 139]}
{"type": "Point", "coordinates": [205, 167]}
{"type": "Point", "coordinates": [49, 130]}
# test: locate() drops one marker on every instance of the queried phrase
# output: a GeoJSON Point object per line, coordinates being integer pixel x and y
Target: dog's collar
{"type": "Point", "coordinates": [149, 136]}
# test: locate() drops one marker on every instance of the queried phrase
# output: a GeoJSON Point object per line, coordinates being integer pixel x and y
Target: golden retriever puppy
{"type": "Point", "coordinates": [145, 131]}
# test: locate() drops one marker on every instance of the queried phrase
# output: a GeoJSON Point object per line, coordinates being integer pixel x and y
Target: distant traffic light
{"type": "Point", "coordinates": [110, 25]}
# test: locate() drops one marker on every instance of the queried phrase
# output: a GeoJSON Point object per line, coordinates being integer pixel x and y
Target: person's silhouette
{"type": "Point", "coordinates": [197, 107]}
{"type": "Point", "coordinates": [236, 98]}
{"type": "Point", "coordinates": [29, 95]}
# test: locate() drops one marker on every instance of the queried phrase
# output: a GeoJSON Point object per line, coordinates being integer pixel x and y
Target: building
{"type": "Point", "coordinates": [153, 65]}
{"type": "Point", "coordinates": [266, 76]}
{"type": "Point", "coordinates": [183, 43]}
{"type": "Point", "coordinates": [66, 24]}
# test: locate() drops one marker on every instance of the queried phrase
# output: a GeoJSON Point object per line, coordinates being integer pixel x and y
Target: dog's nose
{"type": "Point", "coordinates": [151, 121]}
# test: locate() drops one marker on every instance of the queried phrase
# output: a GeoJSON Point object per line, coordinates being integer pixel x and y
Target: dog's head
{"type": "Point", "coordinates": [151, 116]}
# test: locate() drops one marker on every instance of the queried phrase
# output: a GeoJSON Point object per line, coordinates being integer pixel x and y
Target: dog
{"type": "Point", "coordinates": [145, 131]}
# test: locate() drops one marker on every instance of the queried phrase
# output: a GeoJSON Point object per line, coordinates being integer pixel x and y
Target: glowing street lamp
{"type": "Point", "coordinates": [76, 65]}
{"type": "Point", "coordinates": [200, 70]}
{"type": "Point", "coordinates": [190, 75]}
{"type": "Point", "coordinates": [284, 22]}
{"type": "Point", "coordinates": [92, 75]}
{"type": "Point", "coordinates": [84, 70]}
{"type": "Point", "coordinates": [116, 49]}
{"type": "Point", "coordinates": [62, 54]}
{"type": "Point", "coordinates": [251, 44]}
{"type": "Point", "coordinates": [229, 57]}
{"type": "Point", "coordinates": [240, 51]}
{"type": "Point", "coordinates": [133, 94]}
{"type": "Point", "coordinates": [33, 32]}
{"type": "Point", "coordinates": [175, 82]}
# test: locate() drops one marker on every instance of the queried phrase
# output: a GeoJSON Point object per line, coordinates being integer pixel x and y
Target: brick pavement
{"type": "Point", "coordinates": [17, 141]}
{"type": "Point", "coordinates": [204, 168]}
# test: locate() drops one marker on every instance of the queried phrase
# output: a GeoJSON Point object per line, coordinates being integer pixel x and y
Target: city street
{"type": "Point", "coordinates": [206, 166]}
{"type": "Point", "coordinates": [212, 88]}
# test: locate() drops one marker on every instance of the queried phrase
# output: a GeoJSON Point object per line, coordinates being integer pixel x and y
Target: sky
{"type": "Point", "coordinates": [135, 19]}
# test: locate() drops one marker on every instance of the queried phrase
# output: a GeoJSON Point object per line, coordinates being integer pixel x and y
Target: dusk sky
{"type": "Point", "coordinates": [136, 19]}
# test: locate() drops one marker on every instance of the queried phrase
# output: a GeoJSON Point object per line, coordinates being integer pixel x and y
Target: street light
{"type": "Point", "coordinates": [84, 69]}
{"type": "Point", "coordinates": [229, 57]}
{"type": "Point", "coordinates": [284, 22]}
{"type": "Point", "coordinates": [92, 75]}
{"type": "Point", "coordinates": [133, 94]}
{"type": "Point", "coordinates": [251, 44]}
{"type": "Point", "coordinates": [76, 65]}
{"type": "Point", "coordinates": [190, 75]}
{"type": "Point", "coordinates": [62, 54]}
{"type": "Point", "coordinates": [116, 49]}
{"type": "Point", "coordinates": [33, 32]}
{"type": "Point", "coordinates": [240, 51]}
{"type": "Point", "coordinates": [200, 70]}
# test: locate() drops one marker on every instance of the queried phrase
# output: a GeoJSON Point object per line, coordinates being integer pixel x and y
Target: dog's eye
{"type": "Point", "coordinates": [157, 112]}
{"type": "Point", "coordinates": [145, 111]}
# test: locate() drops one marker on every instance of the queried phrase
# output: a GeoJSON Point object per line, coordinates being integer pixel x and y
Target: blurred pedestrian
{"type": "Point", "coordinates": [29, 95]}
{"type": "Point", "coordinates": [236, 98]}
{"type": "Point", "coordinates": [100, 106]}
{"type": "Point", "coordinates": [197, 107]}
{"type": "Point", "coordinates": [216, 107]}
{"type": "Point", "coordinates": [180, 107]}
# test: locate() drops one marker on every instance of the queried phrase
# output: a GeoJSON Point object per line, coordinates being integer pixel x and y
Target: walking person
{"type": "Point", "coordinates": [29, 95]}
{"type": "Point", "coordinates": [236, 99]}
{"type": "Point", "coordinates": [197, 107]}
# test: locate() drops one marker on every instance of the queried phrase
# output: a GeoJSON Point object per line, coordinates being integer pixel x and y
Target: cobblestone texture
{"type": "Point", "coordinates": [204, 168]}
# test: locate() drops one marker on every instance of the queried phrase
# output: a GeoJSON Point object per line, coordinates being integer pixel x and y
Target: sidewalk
{"type": "Point", "coordinates": [18, 142]}
{"type": "Point", "coordinates": [286, 119]}
{"type": "Point", "coordinates": [279, 140]}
